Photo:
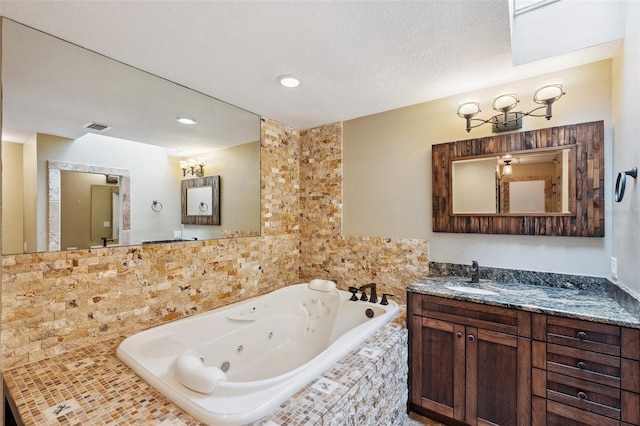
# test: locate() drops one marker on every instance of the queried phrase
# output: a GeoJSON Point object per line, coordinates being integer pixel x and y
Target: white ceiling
{"type": "Point", "coordinates": [355, 57]}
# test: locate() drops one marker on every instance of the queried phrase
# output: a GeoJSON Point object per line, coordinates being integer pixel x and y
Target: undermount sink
{"type": "Point", "coordinates": [472, 290]}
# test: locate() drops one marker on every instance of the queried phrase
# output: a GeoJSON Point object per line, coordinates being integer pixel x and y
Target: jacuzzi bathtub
{"type": "Point", "coordinates": [245, 359]}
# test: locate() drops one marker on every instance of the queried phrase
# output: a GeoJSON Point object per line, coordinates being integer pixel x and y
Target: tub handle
{"type": "Point", "coordinates": [384, 300]}
{"type": "Point", "coordinates": [354, 292]}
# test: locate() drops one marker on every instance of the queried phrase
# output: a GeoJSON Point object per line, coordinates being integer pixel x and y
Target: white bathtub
{"type": "Point", "coordinates": [269, 348]}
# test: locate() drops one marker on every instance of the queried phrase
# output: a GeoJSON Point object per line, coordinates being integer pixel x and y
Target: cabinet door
{"type": "Point", "coordinates": [438, 368]}
{"type": "Point", "coordinates": [498, 387]}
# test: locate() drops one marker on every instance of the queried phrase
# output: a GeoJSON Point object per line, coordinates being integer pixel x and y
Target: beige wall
{"type": "Point", "coordinates": [12, 198]}
{"type": "Point", "coordinates": [626, 151]}
{"type": "Point", "coordinates": [387, 175]}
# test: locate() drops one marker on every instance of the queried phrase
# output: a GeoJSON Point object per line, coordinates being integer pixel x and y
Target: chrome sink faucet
{"type": "Point", "coordinates": [475, 272]}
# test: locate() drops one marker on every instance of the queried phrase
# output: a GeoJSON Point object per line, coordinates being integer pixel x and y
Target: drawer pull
{"type": "Point", "coordinates": [582, 335]}
{"type": "Point", "coordinates": [582, 396]}
{"type": "Point", "coordinates": [582, 365]}
{"type": "Point", "coordinates": [458, 335]}
{"type": "Point", "coordinates": [471, 338]}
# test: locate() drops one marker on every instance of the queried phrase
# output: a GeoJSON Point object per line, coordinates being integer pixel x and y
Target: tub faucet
{"type": "Point", "coordinates": [374, 296]}
{"type": "Point", "coordinates": [475, 272]}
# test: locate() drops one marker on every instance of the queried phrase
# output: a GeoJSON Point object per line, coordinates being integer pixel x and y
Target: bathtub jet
{"type": "Point", "coordinates": [236, 364]}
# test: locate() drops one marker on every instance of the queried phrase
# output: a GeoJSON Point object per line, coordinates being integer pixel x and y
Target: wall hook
{"type": "Point", "coordinates": [621, 182]}
{"type": "Point", "coordinates": [156, 206]}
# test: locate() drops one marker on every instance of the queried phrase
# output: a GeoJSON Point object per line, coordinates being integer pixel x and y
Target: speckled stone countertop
{"type": "Point", "coordinates": [589, 298]}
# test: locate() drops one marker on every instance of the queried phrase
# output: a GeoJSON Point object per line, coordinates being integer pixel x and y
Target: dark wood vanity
{"type": "Point", "coordinates": [481, 364]}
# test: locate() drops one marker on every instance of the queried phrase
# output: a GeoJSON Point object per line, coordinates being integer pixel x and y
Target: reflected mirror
{"type": "Point", "coordinates": [201, 201]}
{"type": "Point", "coordinates": [67, 110]}
{"type": "Point", "coordinates": [533, 181]}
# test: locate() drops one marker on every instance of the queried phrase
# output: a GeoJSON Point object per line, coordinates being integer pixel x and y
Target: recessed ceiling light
{"type": "Point", "coordinates": [186, 120]}
{"type": "Point", "coordinates": [290, 81]}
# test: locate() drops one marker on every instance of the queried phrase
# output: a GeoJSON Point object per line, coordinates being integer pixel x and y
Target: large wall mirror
{"type": "Point", "coordinates": [78, 126]}
{"type": "Point", "coordinates": [539, 182]}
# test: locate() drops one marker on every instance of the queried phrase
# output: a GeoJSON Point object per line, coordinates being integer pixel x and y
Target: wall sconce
{"type": "Point", "coordinates": [194, 167]}
{"type": "Point", "coordinates": [545, 95]}
{"type": "Point", "coordinates": [507, 169]}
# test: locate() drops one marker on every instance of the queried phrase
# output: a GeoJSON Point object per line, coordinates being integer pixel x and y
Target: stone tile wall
{"type": "Point", "coordinates": [56, 302]}
{"type": "Point", "coordinates": [392, 263]}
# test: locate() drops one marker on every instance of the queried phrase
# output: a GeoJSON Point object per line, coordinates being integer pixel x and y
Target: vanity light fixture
{"type": "Point", "coordinates": [193, 166]}
{"type": "Point", "coordinates": [290, 81]}
{"type": "Point", "coordinates": [545, 95]}
{"type": "Point", "coordinates": [186, 120]}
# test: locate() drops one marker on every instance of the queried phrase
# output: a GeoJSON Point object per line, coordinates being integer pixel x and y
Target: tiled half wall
{"type": "Point", "coordinates": [56, 302]}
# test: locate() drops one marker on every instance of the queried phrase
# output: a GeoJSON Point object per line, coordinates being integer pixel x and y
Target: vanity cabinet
{"type": "Point", "coordinates": [584, 373]}
{"type": "Point", "coordinates": [469, 362]}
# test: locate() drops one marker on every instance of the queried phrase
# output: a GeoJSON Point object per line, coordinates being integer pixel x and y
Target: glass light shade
{"type": "Point", "coordinates": [548, 92]}
{"type": "Point", "coordinates": [184, 165]}
{"type": "Point", "coordinates": [505, 102]}
{"type": "Point", "coordinates": [507, 169]}
{"type": "Point", "coordinates": [468, 108]}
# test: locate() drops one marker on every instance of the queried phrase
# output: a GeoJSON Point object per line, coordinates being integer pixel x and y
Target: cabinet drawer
{"type": "Point", "coordinates": [487, 317]}
{"type": "Point", "coordinates": [584, 335]}
{"type": "Point", "coordinates": [585, 395]}
{"type": "Point", "coordinates": [584, 365]}
{"type": "Point", "coordinates": [565, 415]}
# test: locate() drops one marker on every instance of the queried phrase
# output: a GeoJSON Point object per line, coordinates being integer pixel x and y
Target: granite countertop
{"type": "Point", "coordinates": [599, 303]}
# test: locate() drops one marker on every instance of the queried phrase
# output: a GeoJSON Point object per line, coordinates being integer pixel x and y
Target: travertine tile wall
{"type": "Point", "coordinates": [56, 302]}
{"type": "Point", "coordinates": [392, 263]}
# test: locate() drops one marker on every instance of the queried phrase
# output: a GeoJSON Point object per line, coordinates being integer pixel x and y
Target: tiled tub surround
{"type": "Point", "coordinates": [589, 298]}
{"type": "Point", "coordinates": [91, 386]}
{"type": "Point", "coordinates": [247, 358]}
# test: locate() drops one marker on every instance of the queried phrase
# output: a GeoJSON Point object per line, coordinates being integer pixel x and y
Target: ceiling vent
{"type": "Point", "coordinates": [96, 126]}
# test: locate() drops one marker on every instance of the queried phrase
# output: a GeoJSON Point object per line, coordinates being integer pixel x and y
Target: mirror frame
{"type": "Point", "coordinates": [587, 216]}
{"type": "Point", "coordinates": [207, 181]}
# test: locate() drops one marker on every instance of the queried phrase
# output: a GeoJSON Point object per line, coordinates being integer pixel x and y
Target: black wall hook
{"type": "Point", "coordinates": [621, 182]}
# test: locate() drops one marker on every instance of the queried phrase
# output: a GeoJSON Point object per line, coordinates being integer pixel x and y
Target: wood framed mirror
{"type": "Point", "coordinates": [201, 201]}
{"type": "Point", "coordinates": [568, 188]}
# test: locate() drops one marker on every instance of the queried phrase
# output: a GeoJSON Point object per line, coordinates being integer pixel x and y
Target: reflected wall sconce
{"type": "Point", "coordinates": [507, 169]}
{"type": "Point", "coordinates": [193, 166]}
{"type": "Point", "coordinates": [545, 95]}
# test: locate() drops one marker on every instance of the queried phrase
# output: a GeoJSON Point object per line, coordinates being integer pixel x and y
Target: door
{"type": "Point", "coordinates": [438, 369]}
{"type": "Point", "coordinates": [498, 385]}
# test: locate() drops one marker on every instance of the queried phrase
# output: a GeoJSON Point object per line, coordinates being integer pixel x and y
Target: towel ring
{"type": "Point", "coordinates": [203, 207]}
{"type": "Point", "coordinates": [156, 206]}
{"type": "Point", "coordinates": [621, 182]}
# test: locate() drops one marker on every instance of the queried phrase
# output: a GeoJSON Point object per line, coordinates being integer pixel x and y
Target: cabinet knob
{"type": "Point", "coordinates": [471, 337]}
{"type": "Point", "coordinates": [458, 335]}
{"type": "Point", "coordinates": [582, 335]}
{"type": "Point", "coordinates": [582, 396]}
{"type": "Point", "coordinates": [582, 365]}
